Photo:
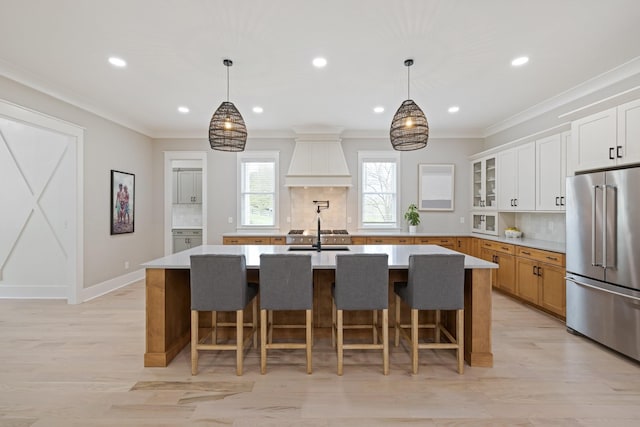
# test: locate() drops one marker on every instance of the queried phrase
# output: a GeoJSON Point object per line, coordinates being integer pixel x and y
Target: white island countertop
{"type": "Point", "coordinates": [398, 255]}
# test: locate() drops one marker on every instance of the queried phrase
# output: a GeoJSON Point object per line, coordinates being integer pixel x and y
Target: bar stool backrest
{"type": "Point", "coordinates": [219, 282]}
{"type": "Point", "coordinates": [436, 282]}
{"type": "Point", "coordinates": [286, 282]}
{"type": "Point", "coordinates": [362, 282]}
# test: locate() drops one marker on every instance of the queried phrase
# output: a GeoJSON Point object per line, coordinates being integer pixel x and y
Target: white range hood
{"type": "Point", "coordinates": [318, 161]}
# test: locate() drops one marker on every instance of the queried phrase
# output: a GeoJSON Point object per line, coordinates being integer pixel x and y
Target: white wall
{"type": "Point", "coordinates": [106, 146]}
{"type": "Point", "coordinates": [222, 185]}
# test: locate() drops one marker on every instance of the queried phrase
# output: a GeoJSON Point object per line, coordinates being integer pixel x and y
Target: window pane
{"type": "Point", "coordinates": [379, 177]}
{"type": "Point", "coordinates": [258, 177]}
{"type": "Point", "coordinates": [258, 209]}
{"type": "Point", "coordinates": [379, 208]}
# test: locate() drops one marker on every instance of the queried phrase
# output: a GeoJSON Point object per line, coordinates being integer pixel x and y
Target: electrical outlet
{"type": "Point", "coordinates": [230, 220]}
{"type": "Point", "coordinates": [126, 265]}
{"type": "Point", "coordinates": [461, 220]}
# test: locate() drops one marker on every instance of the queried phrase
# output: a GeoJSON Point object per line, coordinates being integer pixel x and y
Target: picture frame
{"type": "Point", "coordinates": [436, 185]}
{"type": "Point", "coordinates": [122, 207]}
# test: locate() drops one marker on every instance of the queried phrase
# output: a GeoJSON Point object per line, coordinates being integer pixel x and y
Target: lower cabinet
{"type": "Point", "coordinates": [540, 278]}
{"type": "Point", "coordinates": [184, 239]}
{"type": "Point", "coordinates": [445, 242]}
{"type": "Point", "coordinates": [501, 254]}
{"type": "Point", "coordinates": [254, 240]}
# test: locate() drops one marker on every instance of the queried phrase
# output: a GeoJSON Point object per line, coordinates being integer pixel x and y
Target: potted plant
{"type": "Point", "coordinates": [413, 217]}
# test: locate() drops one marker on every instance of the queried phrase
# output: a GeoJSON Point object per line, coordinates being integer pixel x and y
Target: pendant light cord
{"type": "Point", "coordinates": [408, 81]}
{"type": "Point", "coordinates": [227, 83]}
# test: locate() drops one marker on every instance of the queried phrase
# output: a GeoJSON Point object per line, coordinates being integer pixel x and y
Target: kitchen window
{"type": "Point", "coordinates": [258, 189]}
{"type": "Point", "coordinates": [378, 189]}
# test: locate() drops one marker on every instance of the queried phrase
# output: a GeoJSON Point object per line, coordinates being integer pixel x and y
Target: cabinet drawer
{"type": "Point", "coordinates": [358, 240]}
{"type": "Point", "coordinates": [278, 240]}
{"type": "Point", "coordinates": [390, 240]}
{"type": "Point", "coordinates": [548, 257]}
{"type": "Point", "coordinates": [498, 247]}
{"type": "Point", "coordinates": [442, 241]}
{"type": "Point", "coordinates": [246, 240]}
{"type": "Point", "coordinates": [186, 232]}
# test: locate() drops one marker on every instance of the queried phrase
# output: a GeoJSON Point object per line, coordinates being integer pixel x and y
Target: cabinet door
{"type": "Point", "coordinates": [490, 183]}
{"type": "Point", "coordinates": [526, 177]}
{"type": "Point", "coordinates": [527, 280]}
{"type": "Point", "coordinates": [185, 186]}
{"type": "Point", "coordinates": [462, 245]}
{"type": "Point", "coordinates": [174, 188]}
{"type": "Point", "coordinates": [593, 139]}
{"type": "Point", "coordinates": [506, 274]}
{"type": "Point", "coordinates": [628, 148]}
{"type": "Point", "coordinates": [477, 180]}
{"type": "Point", "coordinates": [553, 288]}
{"type": "Point", "coordinates": [195, 241]}
{"type": "Point", "coordinates": [197, 187]}
{"type": "Point", "coordinates": [179, 244]}
{"type": "Point", "coordinates": [550, 161]}
{"type": "Point", "coordinates": [507, 163]}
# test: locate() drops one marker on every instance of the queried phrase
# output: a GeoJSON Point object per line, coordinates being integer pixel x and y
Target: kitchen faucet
{"type": "Point", "coordinates": [320, 204]}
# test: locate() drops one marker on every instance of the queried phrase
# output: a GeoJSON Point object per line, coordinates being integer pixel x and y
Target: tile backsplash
{"type": "Point", "coordinates": [542, 226]}
{"type": "Point", "coordinates": [187, 215]}
{"type": "Point", "coordinates": [303, 211]}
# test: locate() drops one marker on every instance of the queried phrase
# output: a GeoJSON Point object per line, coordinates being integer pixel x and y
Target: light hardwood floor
{"type": "Point", "coordinates": [65, 365]}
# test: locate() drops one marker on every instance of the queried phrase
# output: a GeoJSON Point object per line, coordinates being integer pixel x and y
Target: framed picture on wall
{"type": "Point", "coordinates": [122, 202]}
{"type": "Point", "coordinates": [435, 187]}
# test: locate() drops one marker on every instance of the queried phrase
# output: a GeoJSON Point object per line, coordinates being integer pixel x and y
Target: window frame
{"type": "Point", "coordinates": [378, 156]}
{"type": "Point", "coordinates": [254, 157]}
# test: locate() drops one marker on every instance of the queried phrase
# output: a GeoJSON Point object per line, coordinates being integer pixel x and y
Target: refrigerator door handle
{"type": "Point", "coordinates": [604, 226]}
{"type": "Point", "coordinates": [597, 288]}
{"type": "Point", "coordinates": [593, 227]}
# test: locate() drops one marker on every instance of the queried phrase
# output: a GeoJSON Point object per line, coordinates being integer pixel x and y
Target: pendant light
{"type": "Point", "coordinates": [227, 131]}
{"type": "Point", "coordinates": [409, 127]}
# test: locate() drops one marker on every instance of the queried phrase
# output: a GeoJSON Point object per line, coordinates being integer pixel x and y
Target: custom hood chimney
{"type": "Point", "coordinates": [318, 161]}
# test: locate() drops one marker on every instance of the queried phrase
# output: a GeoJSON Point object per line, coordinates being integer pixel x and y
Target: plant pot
{"type": "Point", "coordinates": [412, 229]}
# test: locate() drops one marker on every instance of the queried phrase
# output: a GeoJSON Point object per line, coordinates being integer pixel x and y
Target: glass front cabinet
{"type": "Point", "coordinates": [485, 222]}
{"type": "Point", "coordinates": [483, 173]}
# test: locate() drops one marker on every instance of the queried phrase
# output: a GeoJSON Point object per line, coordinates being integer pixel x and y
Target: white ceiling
{"type": "Point", "coordinates": [174, 50]}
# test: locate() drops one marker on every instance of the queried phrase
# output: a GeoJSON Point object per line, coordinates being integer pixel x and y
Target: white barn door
{"type": "Point", "coordinates": [39, 206]}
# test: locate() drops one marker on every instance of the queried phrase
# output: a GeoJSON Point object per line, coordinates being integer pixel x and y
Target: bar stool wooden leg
{"type": "Point", "coordinates": [263, 341]}
{"type": "Point", "coordinates": [270, 323]}
{"type": "Point", "coordinates": [239, 340]}
{"type": "Point", "coordinates": [385, 341]}
{"type": "Point", "coordinates": [194, 342]}
{"type": "Point", "coordinates": [438, 326]}
{"type": "Point", "coordinates": [414, 340]}
{"type": "Point", "coordinates": [340, 341]}
{"type": "Point", "coordinates": [460, 340]}
{"type": "Point", "coordinates": [214, 327]}
{"type": "Point", "coordinates": [254, 323]}
{"type": "Point", "coordinates": [374, 313]}
{"type": "Point", "coordinates": [309, 339]}
{"type": "Point", "coordinates": [397, 322]}
{"type": "Point", "coordinates": [333, 324]}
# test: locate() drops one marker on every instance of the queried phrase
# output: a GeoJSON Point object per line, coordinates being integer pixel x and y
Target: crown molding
{"type": "Point", "coordinates": [608, 78]}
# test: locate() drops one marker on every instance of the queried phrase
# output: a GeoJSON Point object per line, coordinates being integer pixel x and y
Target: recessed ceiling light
{"type": "Point", "coordinates": [453, 109]}
{"type": "Point", "coordinates": [378, 110]}
{"type": "Point", "coordinates": [319, 62]}
{"type": "Point", "coordinates": [257, 109]}
{"type": "Point", "coordinates": [117, 62]}
{"type": "Point", "coordinates": [183, 110]}
{"type": "Point", "coordinates": [520, 61]}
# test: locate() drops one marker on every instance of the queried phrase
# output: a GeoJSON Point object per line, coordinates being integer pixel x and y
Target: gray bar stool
{"type": "Point", "coordinates": [362, 283]}
{"type": "Point", "coordinates": [219, 283]}
{"type": "Point", "coordinates": [435, 282]}
{"type": "Point", "coordinates": [286, 283]}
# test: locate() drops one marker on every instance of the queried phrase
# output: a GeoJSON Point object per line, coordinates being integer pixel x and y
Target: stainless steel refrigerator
{"type": "Point", "coordinates": [603, 258]}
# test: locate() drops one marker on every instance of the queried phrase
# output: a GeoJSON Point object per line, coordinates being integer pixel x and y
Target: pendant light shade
{"type": "Point", "coordinates": [409, 127]}
{"type": "Point", "coordinates": [227, 131]}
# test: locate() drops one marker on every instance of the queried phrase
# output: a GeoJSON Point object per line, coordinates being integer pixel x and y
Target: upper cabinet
{"type": "Point", "coordinates": [483, 175]}
{"type": "Point", "coordinates": [608, 138]}
{"type": "Point", "coordinates": [517, 178]}
{"type": "Point", "coordinates": [551, 171]}
{"type": "Point", "coordinates": [189, 185]}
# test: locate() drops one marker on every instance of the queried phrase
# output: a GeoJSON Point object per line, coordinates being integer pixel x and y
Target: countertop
{"type": "Point", "coordinates": [398, 255]}
{"type": "Point", "coordinates": [521, 241]}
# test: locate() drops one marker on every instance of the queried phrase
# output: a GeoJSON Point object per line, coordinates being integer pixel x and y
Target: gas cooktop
{"type": "Point", "coordinates": [314, 232]}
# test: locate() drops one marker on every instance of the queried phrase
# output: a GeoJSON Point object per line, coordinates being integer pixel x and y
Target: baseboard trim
{"type": "Point", "coordinates": [111, 285]}
{"type": "Point", "coordinates": [33, 292]}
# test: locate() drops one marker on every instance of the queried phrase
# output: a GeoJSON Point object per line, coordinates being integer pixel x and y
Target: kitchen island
{"type": "Point", "coordinates": [168, 295]}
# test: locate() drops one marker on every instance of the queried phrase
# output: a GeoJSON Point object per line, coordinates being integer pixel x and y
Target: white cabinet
{"type": "Point", "coordinates": [483, 175]}
{"type": "Point", "coordinates": [628, 149]}
{"type": "Point", "coordinates": [174, 187]}
{"type": "Point", "coordinates": [551, 172]}
{"type": "Point", "coordinates": [189, 186]}
{"type": "Point", "coordinates": [608, 138]}
{"type": "Point", "coordinates": [516, 178]}
{"type": "Point", "coordinates": [485, 222]}
{"type": "Point", "coordinates": [184, 239]}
